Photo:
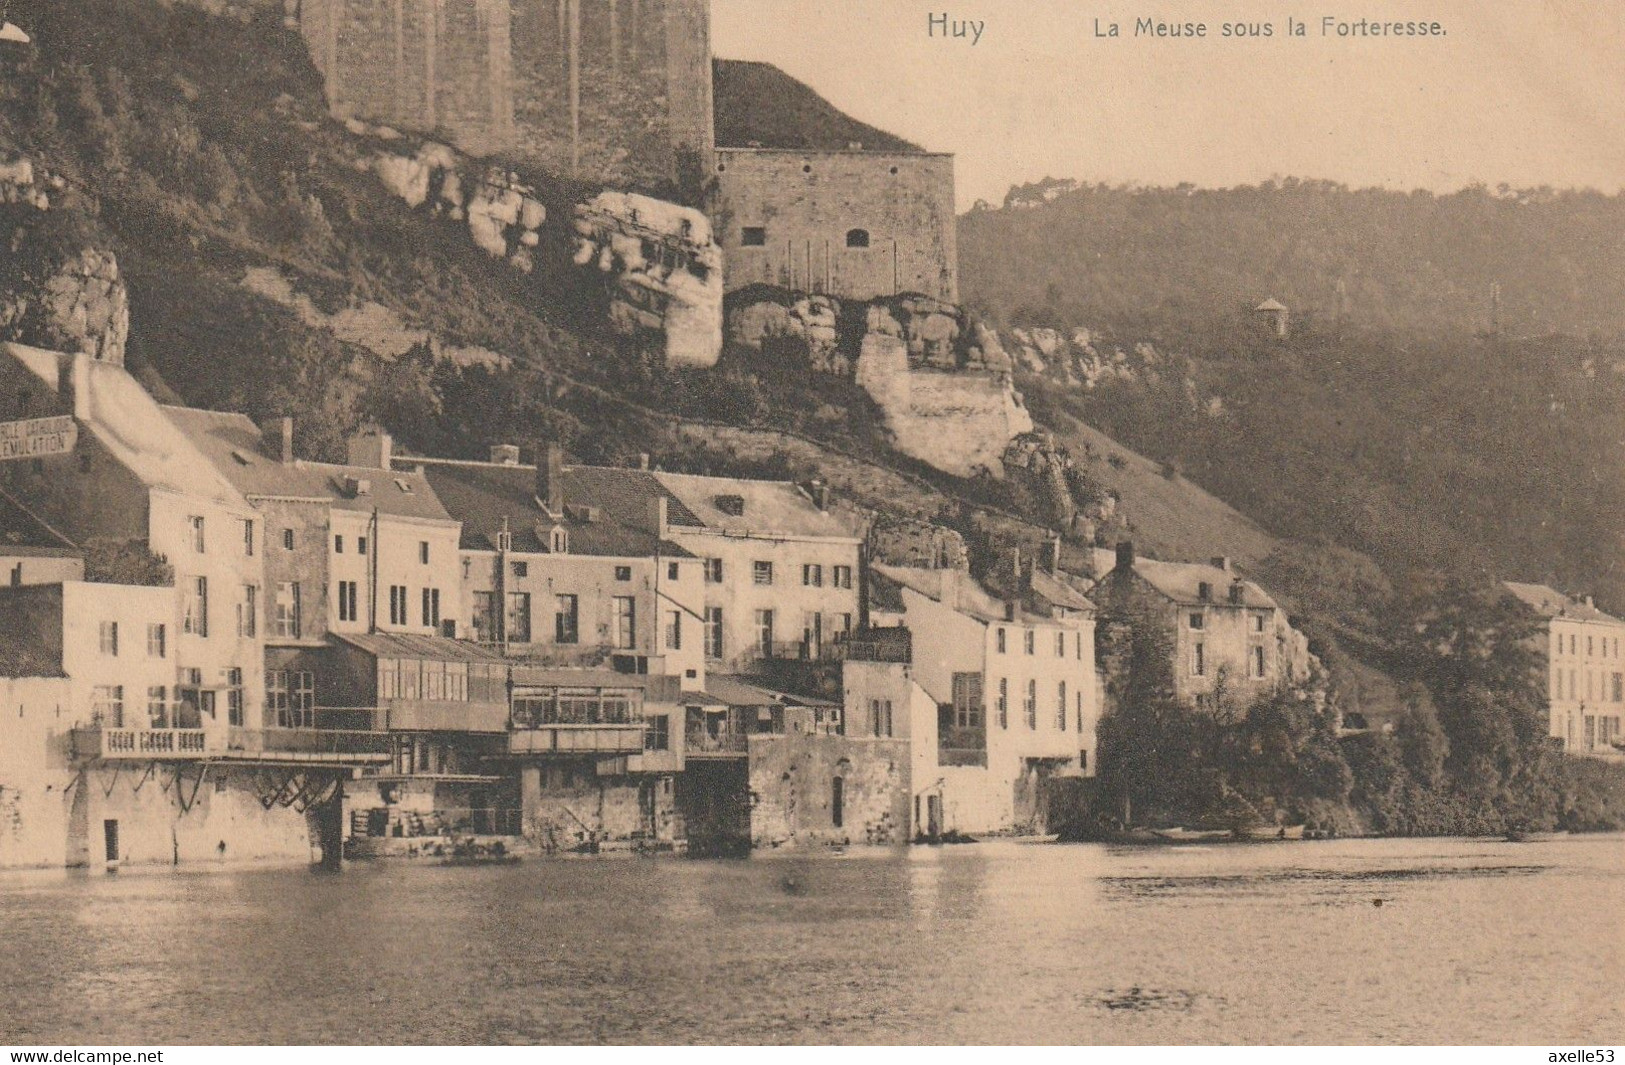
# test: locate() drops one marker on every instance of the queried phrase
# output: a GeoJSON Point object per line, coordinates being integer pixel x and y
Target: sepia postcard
{"type": "Point", "coordinates": [772, 522]}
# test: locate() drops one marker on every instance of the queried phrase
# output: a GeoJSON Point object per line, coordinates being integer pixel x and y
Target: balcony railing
{"type": "Point", "coordinates": [700, 742]}
{"type": "Point", "coordinates": [577, 739]}
{"type": "Point", "coordinates": [141, 743]}
{"type": "Point", "coordinates": [304, 741]}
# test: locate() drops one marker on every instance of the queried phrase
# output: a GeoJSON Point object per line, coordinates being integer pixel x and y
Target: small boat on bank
{"type": "Point", "coordinates": [1193, 835]}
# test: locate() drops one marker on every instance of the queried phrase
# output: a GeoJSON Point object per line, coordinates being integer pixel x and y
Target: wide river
{"type": "Point", "coordinates": [1409, 941]}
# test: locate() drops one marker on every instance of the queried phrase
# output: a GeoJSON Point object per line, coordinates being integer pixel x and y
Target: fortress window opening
{"type": "Point", "coordinates": [753, 237]}
{"type": "Point", "coordinates": [857, 238]}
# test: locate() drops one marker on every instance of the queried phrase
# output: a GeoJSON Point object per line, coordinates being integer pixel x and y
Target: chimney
{"type": "Point", "coordinates": [371, 448]}
{"type": "Point", "coordinates": [505, 454]}
{"type": "Point", "coordinates": [643, 460]}
{"type": "Point", "coordinates": [1221, 562]}
{"type": "Point", "coordinates": [277, 439]}
{"type": "Point", "coordinates": [657, 514]}
{"type": "Point", "coordinates": [1015, 563]}
{"type": "Point", "coordinates": [1054, 560]}
{"type": "Point", "coordinates": [1125, 554]}
{"type": "Point", "coordinates": [1590, 601]}
{"type": "Point", "coordinates": [550, 480]}
{"type": "Point", "coordinates": [820, 495]}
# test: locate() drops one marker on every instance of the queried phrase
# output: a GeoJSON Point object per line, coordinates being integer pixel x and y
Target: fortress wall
{"type": "Point", "coordinates": [808, 202]}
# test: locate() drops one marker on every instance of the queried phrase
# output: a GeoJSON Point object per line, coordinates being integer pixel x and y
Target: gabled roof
{"type": "Point", "coordinates": [1181, 582]}
{"type": "Point", "coordinates": [482, 495]}
{"type": "Point", "coordinates": [127, 422]}
{"type": "Point", "coordinates": [410, 645]}
{"type": "Point", "coordinates": [624, 495]}
{"type": "Point", "coordinates": [953, 588]}
{"type": "Point", "coordinates": [24, 534]}
{"type": "Point", "coordinates": [1058, 593]}
{"type": "Point", "coordinates": [885, 594]}
{"type": "Point", "coordinates": [767, 508]}
{"type": "Point", "coordinates": [232, 444]}
{"type": "Point", "coordinates": [1550, 603]}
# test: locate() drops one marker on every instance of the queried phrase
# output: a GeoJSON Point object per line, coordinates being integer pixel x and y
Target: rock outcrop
{"type": "Point", "coordinates": [1063, 492]}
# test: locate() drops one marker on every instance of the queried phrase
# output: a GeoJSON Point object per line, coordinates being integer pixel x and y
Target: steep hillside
{"type": "Point", "coordinates": [1182, 262]}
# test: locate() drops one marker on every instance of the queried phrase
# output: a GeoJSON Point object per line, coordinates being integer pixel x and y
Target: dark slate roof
{"type": "Point", "coordinates": [409, 645]}
{"type": "Point", "coordinates": [1181, 582]}
{"type": "Point", "coordinates": [22, 533]}
{"type": "Point", "coordinates": [760, 106]}
{"type": "Point", "coordinates": [1058, 592]}
{"type": "Point", "coordinates": [232, 443]}
{"type": "Point", "coordinates": [884, 593]}
{"type": "Point", "coordinates": [481, 495]}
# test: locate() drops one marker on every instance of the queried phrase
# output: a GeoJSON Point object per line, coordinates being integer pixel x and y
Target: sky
{"type": "Point", "coordinates": [1522, 92]}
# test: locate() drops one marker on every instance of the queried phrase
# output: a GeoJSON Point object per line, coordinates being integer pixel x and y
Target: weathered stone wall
{"type": "Point", "coordinates": [566, 805]}
{"type": "Point", "coordinates": [610, 90]}
{"type": "Point", "coordinates": [808, 202]}
{"type": "Point", "coordinates": [793, 791]}
{"type": "Point", "coordinates": [957, 422]}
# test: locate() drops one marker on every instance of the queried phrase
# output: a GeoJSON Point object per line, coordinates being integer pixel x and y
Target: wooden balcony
{"type": "Point", "coordinates": [577, 739]}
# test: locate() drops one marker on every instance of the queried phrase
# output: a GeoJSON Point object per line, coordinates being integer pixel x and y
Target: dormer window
{"type": "Point", "coordinates": [1204, 591]}
{"type": "Point", "coordinates": [560, 541]}
{"type": "Point", "coordinates": [734, 506]}
{"type": "Point", "coordinates": [404, 485]}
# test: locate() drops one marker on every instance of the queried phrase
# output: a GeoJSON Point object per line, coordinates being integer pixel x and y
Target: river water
{"type": "Point", "coordinates": [1473, 942]}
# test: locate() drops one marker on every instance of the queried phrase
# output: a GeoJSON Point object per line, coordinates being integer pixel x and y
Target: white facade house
{"type": "Point", "coordinates": [1584, 653]}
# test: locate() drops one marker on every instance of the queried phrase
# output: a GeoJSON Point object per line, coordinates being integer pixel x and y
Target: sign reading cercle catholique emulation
{"type": "Point", "coordinates": [36, 437]}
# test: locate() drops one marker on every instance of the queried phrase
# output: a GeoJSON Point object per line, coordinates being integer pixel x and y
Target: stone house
{"type": "Point", "coordinates": [1579, 647]}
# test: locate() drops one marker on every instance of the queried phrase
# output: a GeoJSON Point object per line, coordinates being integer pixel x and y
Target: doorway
{"type": "Point", "coordinates": [110, 837]}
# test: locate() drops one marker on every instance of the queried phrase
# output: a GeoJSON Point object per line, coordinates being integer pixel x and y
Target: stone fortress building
{"type": "Point", "coordinates": [621, 92]}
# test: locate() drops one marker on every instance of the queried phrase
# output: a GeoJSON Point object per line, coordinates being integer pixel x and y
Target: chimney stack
{"type": "Point", "coordinates": [371, 448]}
{"type": "Point", "coordinates": [1125, 554]}
{"type": "Point", "coordinates": [643, 460]}
{"type": "Point", "coordinates": [1590, 601]}
{"type": "Point", "coordinates": [820, 495]}
{"type": "Point", "coordinates": [277, 439]}
{"type": "Point", "coordinates": [505, 454]}
{"type": "Point", "coordinates": [1054, 560]}
{"type": "Point", "coordinates": [550, 480]}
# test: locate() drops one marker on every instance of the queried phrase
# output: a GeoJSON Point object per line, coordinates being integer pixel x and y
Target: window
{"type": "Point", "coordinates": [431, 607]}
{"type": "Point", "coordinates": [423, 552]}
{"type": "Point", "coordinates": [287, 539]}
{"type": "Point", "coordinates": [674, 630]}
{"type": "Point", "coordinates": [397, 604]}
{"type": "Point", "coordinates": [518, 617]}
{"type": "Point", "coordinates": [1004, 702]}
{"type": "Point", "coordinates": [248, 537]}
{"type": "Point", "coordinates": [520, 569]}
{"type": "Point", "coordinates": [567, 620]}
{"type": "Point", "coordinates": [347, 601]}
{"type": "Point", "coordinates": [1030, 641]}
{"type": "Point", "coordinates": [290, 697]}
{"type": "Point", "coordinates": [559, 541]}
{"type": "Point", "coordinates": [713, 632]}
{"type": "Point", "coordinates": [338, 545]}
{"type": "Point", "coordinates": [109, 638]}
{"type": "Point", "coordinates": [1198, 621]}
{"type": "Point", "coordinates": [107, 705]}
{"type": "Point", "coordinates": [623, 573]}
{"type": "Point", "coordinates": [285, 614]}
{"type": "Point", "coordinates": [841, 577]}
{"type": "Point", "coordinates": [248, 611]}
{"type": "Point", "coordinates": [1079, 641]}
{"type": "Point", "coordinates": [483, 619]}
{"type": "Point", "coordinates": [713, 570]}
{"type": "Point", "coordinates": [1619, 687]}
{"type": "Point", "coordinates": [1198, 660]}
{"type": "Point", "coordinates": [753, 236]}
{"type": "Point", "coordinates": [626, 622]}
{"type": "Point", "coordinates": [1258, 662]}
{"type": "Point", "coordinates": [1060, 706]}
{"type": "Point", "coordinates": [197, 533]}
{"type": "Point", "coordinates": [1030, 705]}
{"type": "Point", "coordinates": [1060, 645]}
{"type": "Point", "coordinates": [812, 634]}
{"type": "Point", "coordinates": [157, 641]}
{"type": "Point", "coordinates": [761, 572]}
{"type": "Point", "coordinates": [837, 801]}
{"type": "Point", "coordinates": [812, 576]}
{"type": "Point", "coordinates": [880, 715]}
{"type": "Point", "coordinates": [1000, 641]}
{"type": "Point", "coordinates": [158, 706]}
{"type": "Point", "coordinates": [360, 545]}
{"type": "Point", "coordinates": [672, 571]}
{"type": "Point", "coordinates": [195, 618]}
{"type": "Point", "coordinates": [234, 697]}
{"type": "Point", "coordinates": [857, 238]}
{"type": "Point", "coordinates": [843, 626]}
{"type": "Point", "coordinates": [1258, 622]}
{"type": "Point", "coordinates": [657, 733]}
{"type": "Point", "coordinates": [1080, 713]}
{"type": "Point", "coordinates": [967, 696]}
{"type": "Point", "coordinates": [764, 632]}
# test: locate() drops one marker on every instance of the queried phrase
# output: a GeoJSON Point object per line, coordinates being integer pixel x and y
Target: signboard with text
{"type": "Point", "coordinates": [36, 438]}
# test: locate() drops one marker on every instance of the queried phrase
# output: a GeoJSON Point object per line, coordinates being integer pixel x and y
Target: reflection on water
{"type": "Point", "coordinates": [1416, 941]}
